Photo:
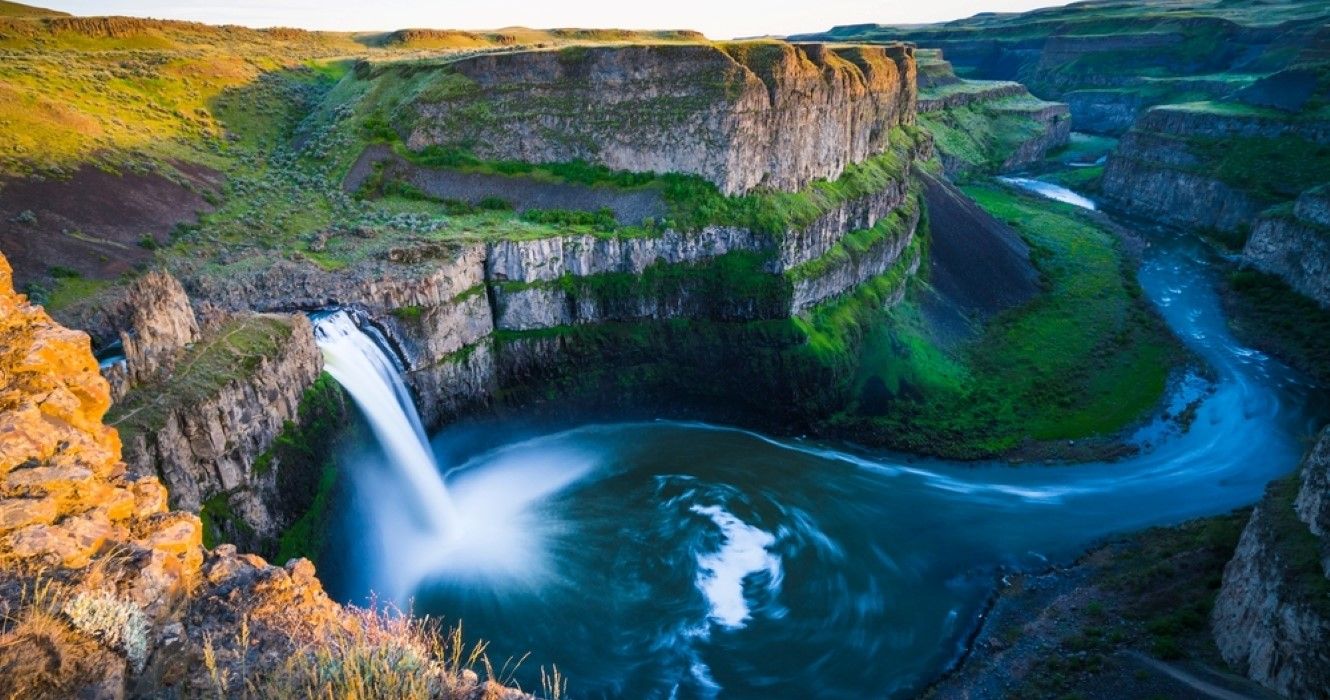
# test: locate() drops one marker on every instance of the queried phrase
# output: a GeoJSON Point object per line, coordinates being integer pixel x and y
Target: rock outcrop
{"type": "Point", "coordinates": [211, 445]}
{"type": "Point", "coordinates": [742, 115]}
{"type": "Point", "coordinates": [1294, 244]}
{"type": "Point", "coordinates": [160, 323]}
{"type": "Point", "coordinates": [1272, 616]}
{"type": "Point", "coordinates": [988, 126]}
{"type": "Point", "coordinates": [131, 602]}
{"type": "Point", "coordinates": [1164, 168]}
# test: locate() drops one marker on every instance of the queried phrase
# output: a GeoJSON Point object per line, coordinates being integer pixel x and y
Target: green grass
{"type": "Point", "coordinates": [981, 136]}
{"type": "Point", "coordinates": [1270, 169]}
{"type": "Point", "coordinates": [1299, 551]}
{"type": "Point", "coordinates": [1264, 311]}
{"type": "Point", "coordinates": [232, 352]}
{"type": "Point", "coordinates": [1084, 359]}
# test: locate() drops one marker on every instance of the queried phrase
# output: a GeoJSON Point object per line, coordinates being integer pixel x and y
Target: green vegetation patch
{"type": "Point", "coordinates": [232, 353]}
{"type": "Point", "coordinates": [1270, 169]}
{"type": "Point", "coordinates": [855, 244]}
{"type": "Point", "coordinates": [307, 468]}
{"type": "Point", "coordinates": [981, 136]}
{"type": "Point", "coordinates": [1086, 358]}
{"type": "Point", "coordinates": [724, 284]}
{"type": "Point", "coordinates": [1150, 592]}
{"type": "Point", "coordinates": [1264, 311]}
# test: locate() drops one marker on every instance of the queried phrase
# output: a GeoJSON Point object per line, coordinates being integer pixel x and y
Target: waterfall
{"type": "Point", "coordinates": [373, 378]}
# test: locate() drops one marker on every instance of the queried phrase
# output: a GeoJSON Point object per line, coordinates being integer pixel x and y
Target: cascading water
{"type": "Point", "coordinates": [374, 381]}
{"type": "Point", "coordinates": [420, 526]}
{"type": "Point", "coordinates": [670, 560]}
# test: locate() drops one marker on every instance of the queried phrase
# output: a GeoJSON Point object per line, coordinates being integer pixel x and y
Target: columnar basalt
{"type": "Point", "coordinates": [743, 115]}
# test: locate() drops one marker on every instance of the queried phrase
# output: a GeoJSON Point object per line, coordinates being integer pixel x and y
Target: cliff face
{"type": "Point", "coordinates": [1112, 61]}
{"type": "Point", "coordinates": [211, 447]}
{"type": "Point", "coordinates": [200, 405]}
{"type": "Point", "coordinates": [133, 603]}
{"type": "Point", "coordinates": [1295, 245]}
{"type": "Point", "coordinates": [988, 126]}
{"type": "Point", "coordinates": [1272, 617]}
{"type": "Point", "coordinates": [1175, 165]}
{"type": "Point", "coordinates": [744, 115]}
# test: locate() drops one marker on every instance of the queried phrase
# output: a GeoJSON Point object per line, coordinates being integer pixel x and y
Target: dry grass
{"type": "Point", "coordinates": [43, 651]}
{"type": "Point", "coordinates": [376, 653]}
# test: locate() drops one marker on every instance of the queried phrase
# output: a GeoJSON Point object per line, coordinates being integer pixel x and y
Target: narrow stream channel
{"type": "Point", "coordinates": [677, 560]}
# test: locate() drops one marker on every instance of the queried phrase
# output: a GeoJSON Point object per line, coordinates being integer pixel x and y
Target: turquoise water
{"type": "Point", "coordinates": [678, 560]}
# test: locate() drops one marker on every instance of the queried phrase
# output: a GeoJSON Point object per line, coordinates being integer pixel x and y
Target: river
{"type": "Point", "coordinates": [680, 560]}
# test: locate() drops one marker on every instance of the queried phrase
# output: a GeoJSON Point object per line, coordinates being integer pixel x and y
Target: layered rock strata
{"type": "Point", "coordinates": [1162, 168]}
{"type": "Point", "coordinates": [1294, 244]}
{"type": "Point", "coordinates": [743, 115]}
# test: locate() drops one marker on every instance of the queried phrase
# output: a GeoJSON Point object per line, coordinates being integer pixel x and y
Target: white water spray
{"type": "Point", "coordinates": [374, 382]}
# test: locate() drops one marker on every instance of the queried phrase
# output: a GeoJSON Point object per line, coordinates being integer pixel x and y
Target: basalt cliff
{"type": "Point", "coordinates": [1272, 617]}
{"type": "Point", "coordinates": [109, 593]}
{"type": "Point", "coordinates": [743, 115]}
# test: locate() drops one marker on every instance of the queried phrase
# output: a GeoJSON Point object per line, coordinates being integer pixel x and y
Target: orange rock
{"type": "Point", "coordinates": [53, 544]}
{"type": "Point", "coordinates": [150, 497]}
{"type": "Point", "coordinates": [21, 512]}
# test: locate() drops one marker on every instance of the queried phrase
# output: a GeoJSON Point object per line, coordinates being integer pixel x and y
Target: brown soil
{"type": "Point", "coordinates": [94, 221]}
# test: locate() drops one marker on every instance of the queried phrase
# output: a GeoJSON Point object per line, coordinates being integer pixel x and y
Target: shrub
{"type": "Point", "coordinates": [602, 219]}
{"type": "Point", "coordinates": [492, 203]}
{"type": "Point", "coordinates": [116, 623]}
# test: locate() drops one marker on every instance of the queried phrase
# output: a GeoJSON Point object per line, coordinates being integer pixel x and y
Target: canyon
{"type": "Point", "coordinates": [538, 230]}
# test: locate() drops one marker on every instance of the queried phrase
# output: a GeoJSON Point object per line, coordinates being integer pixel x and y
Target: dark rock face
{"type": "Point", "coordinates": [1295, 245]}
{"type": "Point", "coordinates": [1271, 618]}
{"type": "Point", "coordinates": [741, 115]}
{"type": "Point", "coordinates": [978, 263]}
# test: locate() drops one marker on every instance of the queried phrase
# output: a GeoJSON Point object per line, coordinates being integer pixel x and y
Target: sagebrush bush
{"type": "Point", "coordinates": [117, 623]}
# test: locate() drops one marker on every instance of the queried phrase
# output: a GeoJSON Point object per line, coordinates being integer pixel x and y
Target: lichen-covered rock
{"type": "Point", "coordinates": [741, 115]}
{"type": "Point", "coordinates": [139, 607]}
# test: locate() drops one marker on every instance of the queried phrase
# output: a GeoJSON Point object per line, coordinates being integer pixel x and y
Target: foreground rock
{"type": "Point", "coordinates": [106, 593]}
{"type": "Point", "coordinates": [1272, 616]}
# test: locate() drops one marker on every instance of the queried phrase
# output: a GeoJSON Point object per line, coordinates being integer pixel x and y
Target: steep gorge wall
{"type": "Point", "coordinates": [1294, 244]}
{"type": "Point", "coordinates": [77, 525]}
{"type": "Point", "coordinates": [988, 126]}
{"type": "Point", "coordinates": [1168, 166]}
{"type": "Point", "coordinates": [201, 404]}
{"type": "Point", "coordinates": [1271, 619]}
{"type": "Point", "coordinates": [743, 115]}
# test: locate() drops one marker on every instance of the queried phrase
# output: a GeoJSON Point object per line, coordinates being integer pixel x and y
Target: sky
{"type": "Point", "coordinates": [718, 19]}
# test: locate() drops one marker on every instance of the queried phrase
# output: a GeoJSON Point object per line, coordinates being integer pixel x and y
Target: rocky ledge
{"type": "Point", "coordinates": [106, 593]}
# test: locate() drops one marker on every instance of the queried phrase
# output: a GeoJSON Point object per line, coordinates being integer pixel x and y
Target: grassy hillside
{"type": "Point", "coordinates": [1083, 360]}
{"type": "Point", "coordinates": [14, 9]}
{"type": "Point", "coordinates": [1111, 59]}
